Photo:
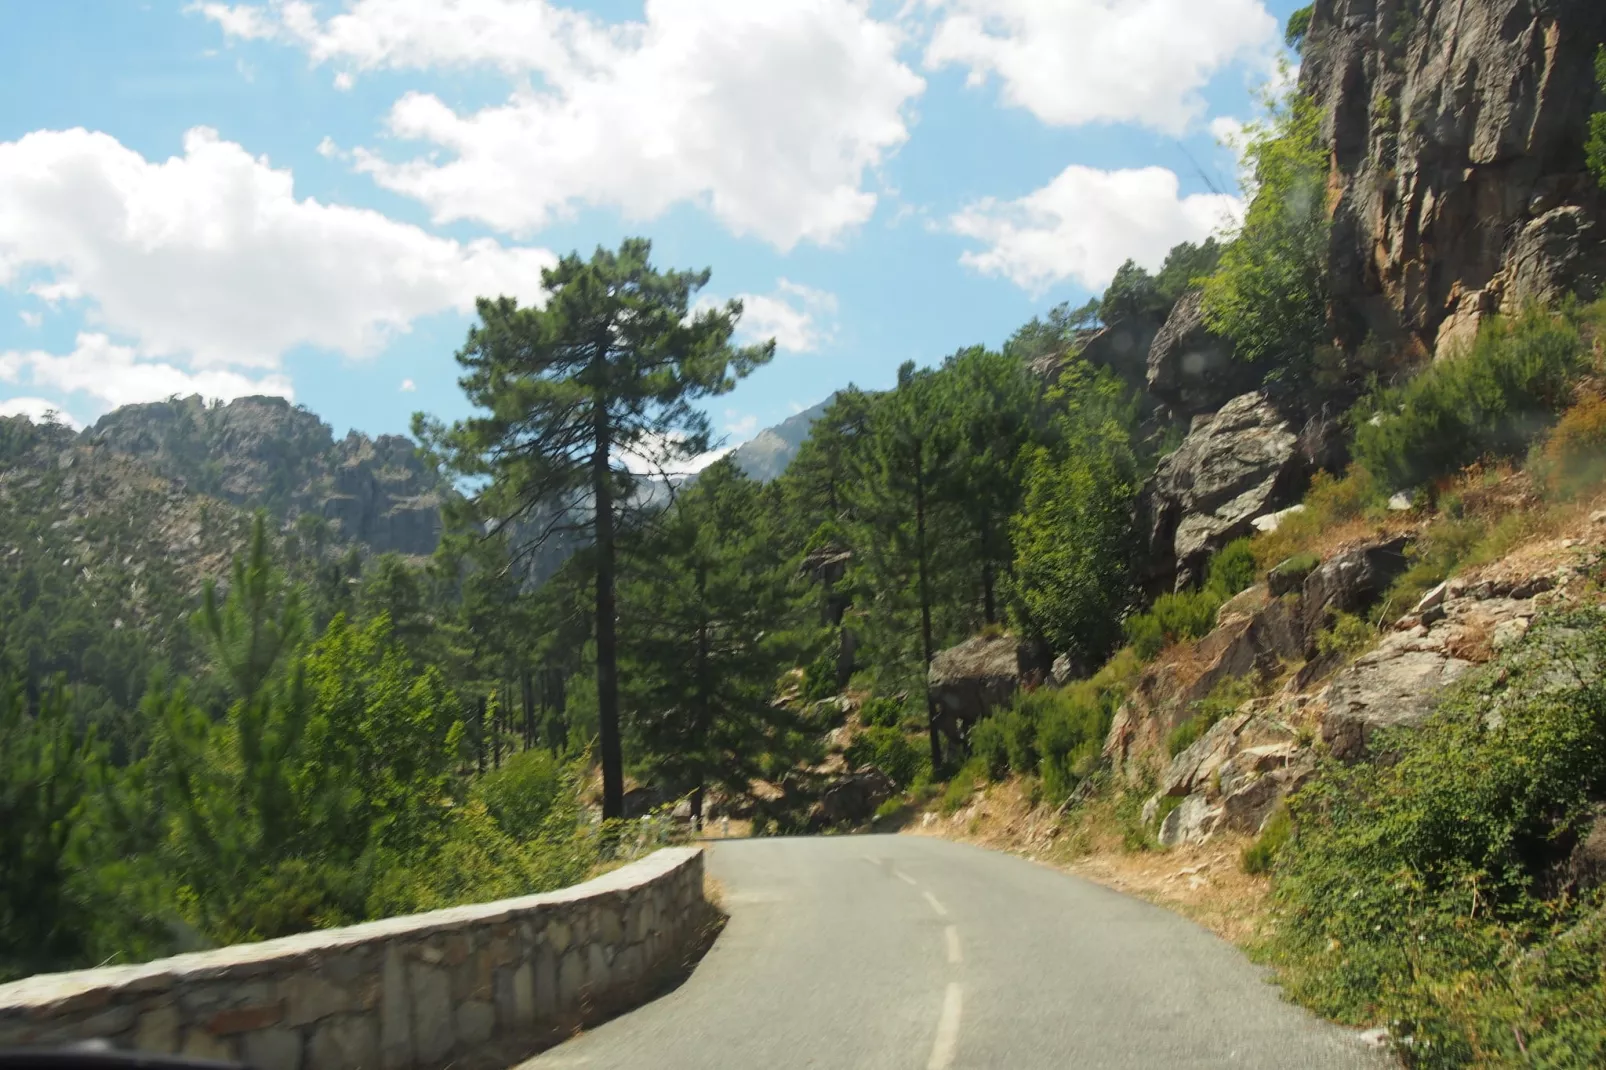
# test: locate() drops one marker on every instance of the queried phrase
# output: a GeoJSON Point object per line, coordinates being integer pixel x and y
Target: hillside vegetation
{"type": "Point", "coordinates": [1091, 564]}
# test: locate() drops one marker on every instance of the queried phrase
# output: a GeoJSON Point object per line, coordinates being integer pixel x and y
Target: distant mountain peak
{"type": "Point", "coordinates": [765, 456]}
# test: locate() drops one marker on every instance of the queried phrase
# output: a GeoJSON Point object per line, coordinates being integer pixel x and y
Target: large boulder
{"type": "Point", "coordinates": [1192, 370]}
{"type": "Point", "coordinates": [971, 680]}
{"type": "Point", "coordinates": [851, 799]}
{"type": "Point", "coordinates": [1557, 254]}
{"type": "Point", "coordinates": [1123, 348]}
{"type": "Point", "coordinates": [1240, 464]}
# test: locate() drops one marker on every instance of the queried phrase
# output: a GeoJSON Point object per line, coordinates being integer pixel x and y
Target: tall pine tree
{"type": "Point", "coordinates": [707, 635]}
{"type": "Point", "coordinates": [576, 397]}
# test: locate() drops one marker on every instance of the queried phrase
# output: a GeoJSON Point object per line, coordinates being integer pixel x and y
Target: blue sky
{"type": "Point", "coordinates": [303, 198]}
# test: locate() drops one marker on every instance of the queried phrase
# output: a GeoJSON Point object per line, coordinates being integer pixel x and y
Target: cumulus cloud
{"type": "Point", "coordinates": [39, 411]}
{"type": "Point", "coordinates": [31, 319]}
{"type": "Point", "coordinates": [1083, 225]}
{"type": "Point", "coordinates": [408, 386]}
{"type": "Point", "coordinates": [800, 318]}
{"type": "Point", "coordinates": [110, 375]}
{"type": "Point", "coordinates": [211, 257]}
{"type": "Point", "coordinates": [774, 115]}
{"type": "Point", "coordinates": [1072, 62]}
{"type": "Point", "coordinates": [739, 424]}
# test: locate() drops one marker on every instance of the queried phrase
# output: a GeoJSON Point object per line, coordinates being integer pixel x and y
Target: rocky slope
{"type": "Point", "coordinates": [1233, 776]}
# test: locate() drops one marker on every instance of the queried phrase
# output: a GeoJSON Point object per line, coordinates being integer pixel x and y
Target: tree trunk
{"type": "Point", "coordinates": [613, 777]}
{"type": "Point", "coordinates": [925, 614]}
{"type": "Point", "coordinates": [528, 682]}
{"type": "Point", "coordinates": [479, 734]}
{"type": "Point", "coordinates": [704, 719]}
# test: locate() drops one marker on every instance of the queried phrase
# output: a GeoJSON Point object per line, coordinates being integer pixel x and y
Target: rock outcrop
{"type": "Point", "coordinates": [1457, 136]}
{"type": "Point", "coordinates": [1350, 581]}
{"type": "Point", "coordinates": [1235, 466]}
{"type": "Point", "coordinates": [1192, 370]}
{"type": "Point", "coordinates": [971, 680]}
{"type": "Point", "coordinates": [264, 453]}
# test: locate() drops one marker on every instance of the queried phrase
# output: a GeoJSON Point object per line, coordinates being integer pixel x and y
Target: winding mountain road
{"type": "Point", "coordinates": [893, 952]}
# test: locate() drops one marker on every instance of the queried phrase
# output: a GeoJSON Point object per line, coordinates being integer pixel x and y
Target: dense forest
{"type": "Point", "coordinates": [322, 736]}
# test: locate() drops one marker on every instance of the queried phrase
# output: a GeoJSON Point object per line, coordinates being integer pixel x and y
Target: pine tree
{"type": "Point", "coordinates": [604, 373]}
{"type": "Point", "coordinates": [897, 504]}
{"type": "Point", "coordinates": [994, 401]}
{"type": "Point", "coordinates": [706, 635]}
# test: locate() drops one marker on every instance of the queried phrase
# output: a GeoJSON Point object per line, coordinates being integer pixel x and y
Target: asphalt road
{"type": "Point", "coordinates": [892, 952]}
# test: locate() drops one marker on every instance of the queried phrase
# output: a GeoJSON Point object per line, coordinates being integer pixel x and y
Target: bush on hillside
{"type": "Point", "coordinates": [892, 752]}
{"type": "Point", "coordinates": [529, 789]}
{"type": "Point", "coordinates": [1056, 734]}
{"type": "Point", "coordinates": [1184, 615]}
{"type": "Point", "coordinates": [1422, 891]}
{"type": "Point", "coordinates": [1573, 458]}
{"type": "Point", "coordinates": [880, 711]}
{"type": "Point", "coordinates": [1488, 403]}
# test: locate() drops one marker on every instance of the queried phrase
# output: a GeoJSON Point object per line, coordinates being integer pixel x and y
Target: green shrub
{"type": "Point", "coordinates": [1233, 569]}
{"type": "Point", "coordinates": [1298, 26]}
{"type": "Point", "coordinates": [1415, 891]}
{"type": "Point", "coordinates": [1258, 857]}
{"type": "Point", "coordinates": [819, 678]}
{"type": "Point", "coordinates": [1436, 553]}
{"type": "Point", "coordinates": [962, 786]}
{"type": "Point", "coordinates": [891, 808]}
{"type": "Point", "coordinates": [881, 712]}
{"type": "Point", "coordinates": [989, 745]}
{"type": "Point", "coordinates": [1171, 619]}
{"type": "Point", "coordinates": [892, 752]}
{"type": "Point", "coordinates": [1192, 614]}
{"type": "Point", "coordinates": [1329, 502]}
{"type": "Point", "coordinates": [1488, 403]}
{"type": "Point", "coordinates": [1346, 636]}
{"type": "Point", "coordinates": [525, 792]}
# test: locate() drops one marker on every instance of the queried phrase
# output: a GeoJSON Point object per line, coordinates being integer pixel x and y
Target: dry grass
{"type": "Point", "coordinates": [1204, 884]}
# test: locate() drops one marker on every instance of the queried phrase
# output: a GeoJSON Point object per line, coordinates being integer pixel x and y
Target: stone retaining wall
{"type": "Point", "coordinates": [475, 985]}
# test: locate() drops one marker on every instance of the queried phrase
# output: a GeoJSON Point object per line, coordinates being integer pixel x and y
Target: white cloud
{"type": "Point", "coordinates": [799, 318]}
{"type": "Point", "coordinates": [773, 115]}
{"type": "Point", "coordinates": [327, 148]}
{"type": "Point", "coordinates": [211, 258]}
{"type": "Point", "coordinates": [408, 386]}
{"type": "Point", "coordinates": [742, 426]}
{"type": "Point", "coordinates": [1071, 62]}
{"type": "Point", "coordinates": [39, 411]}
{"type": "Point", "coordinates": [111, 375]}
{"type": "Point", "coordinates": [1086, 223]}
{"type": "Point", "coordinates": [31, 319]}
{"type": "Point", "coordinates": [344, 81]}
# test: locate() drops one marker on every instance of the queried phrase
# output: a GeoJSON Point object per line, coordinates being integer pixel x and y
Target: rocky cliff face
{"type": "Point", "coordinates": [1458, 183]}
{"type": "Point", "coordinates": [263, 452]}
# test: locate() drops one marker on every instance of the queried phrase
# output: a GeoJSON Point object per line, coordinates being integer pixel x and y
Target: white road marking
{"type": "Point", "coordinates": [953, 945]}
{"type": "Point", "coordinates": [941, 910]}
{"type": "Point", "coordinates": [910, 881]}
{"type": "Point", "coordinates": [947, 1043]}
